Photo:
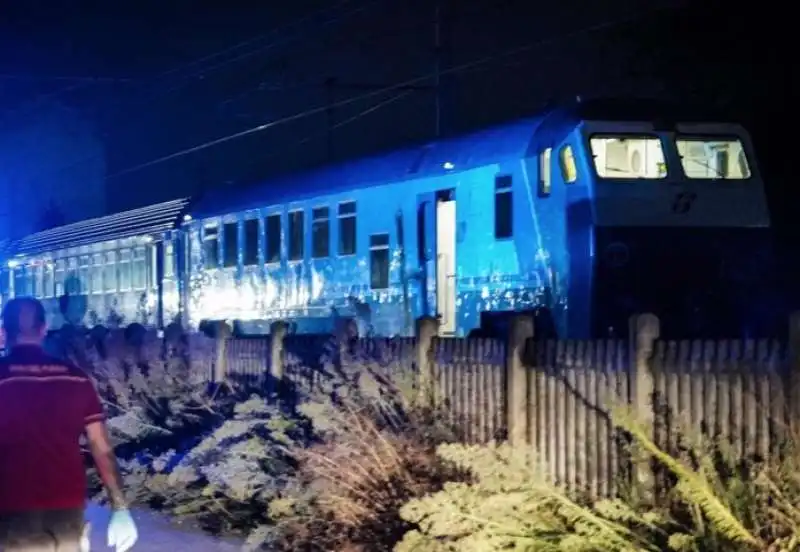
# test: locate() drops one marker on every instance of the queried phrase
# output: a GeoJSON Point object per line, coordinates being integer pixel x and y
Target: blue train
{"type": "Point", "coordinates": [589, 212]}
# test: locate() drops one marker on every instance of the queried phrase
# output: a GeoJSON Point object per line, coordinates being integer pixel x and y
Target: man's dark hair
{"type": "Point", "coordinates": [23, 317]}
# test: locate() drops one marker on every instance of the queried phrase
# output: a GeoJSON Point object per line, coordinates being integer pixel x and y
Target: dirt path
{"type": "Point", "coordinates": [156, 534]}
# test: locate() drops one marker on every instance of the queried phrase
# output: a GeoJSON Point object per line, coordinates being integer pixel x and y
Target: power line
{"type": "Point", "coordinates": [199, 61]}
{"type": "Point", "coordinates": [367, 95]}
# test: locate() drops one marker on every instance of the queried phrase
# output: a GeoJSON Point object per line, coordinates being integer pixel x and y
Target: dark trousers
{"type": "Point", "coordinates": [48, 531]}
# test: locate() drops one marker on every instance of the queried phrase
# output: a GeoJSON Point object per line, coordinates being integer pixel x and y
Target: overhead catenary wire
{"type": "Point", "coordinates": [394, 87]}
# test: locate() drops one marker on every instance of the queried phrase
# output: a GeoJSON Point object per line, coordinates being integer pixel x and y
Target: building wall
{"type": "Point", "coordinates": [51, 159]}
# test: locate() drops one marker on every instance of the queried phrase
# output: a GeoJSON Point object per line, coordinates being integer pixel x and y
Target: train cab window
{"type": "Point", "coordinates": [320, 232]}
{"type": "Point", "coordinates": [124, 269]}
{"type": "Point", "coordinates": [110, 276]}
{"type": "Point", "coordinates": [273, 227]}
{"type": "Point", "coordinates": [503, 207]}
{"type": "Point", "coordinates": [296, 235]}
{"type": "Point", "coordinates": [705, 158]}
{"type": "Point", "coordinates": [230, 244]}
{"type": "Point", "coordinates": [251, 246]}
{"type": "Point", "coordinates": [544, 173]}
{"type": "Point", "coordinates": [566, 160]}
{"type": "Point", "coordinates": [347, 228]}
{"type": "Point", "coordinates": [211, 247]}
{"type": "Point", "coordinates": [379, 261]}
{"type": "Point", "coordinates": [628, 157]}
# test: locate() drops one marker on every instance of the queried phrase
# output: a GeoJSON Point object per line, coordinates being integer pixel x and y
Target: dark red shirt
{"type": "Point", "coordinates": [45, 405]}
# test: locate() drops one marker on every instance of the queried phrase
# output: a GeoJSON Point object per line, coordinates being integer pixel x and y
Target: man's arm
{"type": "Point", "coordinates": [106, 462]}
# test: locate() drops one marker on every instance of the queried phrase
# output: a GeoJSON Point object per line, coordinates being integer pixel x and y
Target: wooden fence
{"type": "Point", "coordinates": [556, 395]}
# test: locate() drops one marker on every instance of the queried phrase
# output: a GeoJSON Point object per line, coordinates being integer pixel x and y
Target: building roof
{"type": "Point", "coordinates": [492, 145]}
{"type": "Point", "coordinates": [136, 222]}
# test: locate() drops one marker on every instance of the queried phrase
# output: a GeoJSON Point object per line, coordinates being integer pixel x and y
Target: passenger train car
{"type": "Point", "coordinates": [117, 269]}
{"type": "Point", "coordinates": [594, 211]}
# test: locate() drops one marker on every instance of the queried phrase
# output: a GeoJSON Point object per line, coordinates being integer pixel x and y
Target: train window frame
{"type": "Point", "coordinates": [296, 235]}
{"type": "Point", "coordinates": [211, 233]}
{"type": "Point", "coordinates": [345, 217]}
{"type": "Point", "coordinates": [273, 242]}
{"type": "Point", "coordinates": [251, 246]}
{"type": "Point", "coordinates": [544, 185]}
{"type": "Point", "coordinates": [379, 244]}
{"type": "Point", "coordinates": [321, 223]}
{"type": "Point", "coordinates": [503, 200]}
{"type": "Point", "coordinates": [230, 244]}
{"type": "Point", "coordinates": [563, 153]}
{"type": "Point", "coordinates": [664, 168]}
{"type": "Point", "coordinates": [744, 154]}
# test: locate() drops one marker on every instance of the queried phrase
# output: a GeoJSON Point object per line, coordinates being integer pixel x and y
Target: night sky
{"type": "Point", "coordinates": [155, 80]}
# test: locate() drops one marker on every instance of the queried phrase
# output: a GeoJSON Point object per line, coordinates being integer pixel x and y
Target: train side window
{"type": "Point", "coordinates": [230, 244]}
{"type": "Point", "coordinates": [296, 235]}
{"type": "Point", "coordinates": [59, 277]}
{"type": "Point", "coordinates": [273, 226]}
{"type": "Point", "coordinates": [320, 232]}
{"type": "Point", "coordinates": [49, 279]}
{"type": "Point", "coordinates": [503, 207]}
{"type": "Point", "coordinates": [250, 242]}
{"type": "Point", "coordinates": [97, 273]}
{"type": "Point", "coordinates": [169, 260]}
{"type": "Point", "coordinates": [139, 269]}
{"type": "Point", "coordinates": [347, 228]}
{"type": "Point", "coordinates": [83, 273]}
{"type": "Point", "coordinates": [110, 277]}
{"type": "Point", "coordinates": [379, 261]}
{"type": "Point", "coordinates": [544, 173]}
{"type": "Point", "coordinates": [569, 170]}
{"type": "Point", "coordinates": [124, 269]}
{"type": "Point", "coordinates": [211, 247]}
{"type": "Point", "coordinates": [37, 280]}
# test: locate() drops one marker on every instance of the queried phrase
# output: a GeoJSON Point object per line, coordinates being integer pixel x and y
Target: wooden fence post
{"type": "Point", "coordinates": [277, 333]}
{"type": "Point", "coordinates": [645, 329]}
{"type": "Point", "coordinates": [222, 334]}
{"type": "Point", "coordinates": [427, 329]}
{"type": "Point", "coordinates": [520, 331]}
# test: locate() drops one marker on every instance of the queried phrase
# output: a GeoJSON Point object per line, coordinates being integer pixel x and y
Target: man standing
{"type": "Point", "coordinates": [45, 406]}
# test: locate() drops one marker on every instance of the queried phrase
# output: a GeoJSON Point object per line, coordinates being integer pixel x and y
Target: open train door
{"type": "Point", "coordinates": [436, 233]}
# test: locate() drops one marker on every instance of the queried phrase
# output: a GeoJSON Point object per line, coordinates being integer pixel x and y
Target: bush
{"type": "Point", "coordinates": [375, 451]}
{"type": "Point", "coordinates": [712, 502]}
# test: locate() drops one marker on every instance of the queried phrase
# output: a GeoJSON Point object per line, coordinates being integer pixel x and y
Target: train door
{"type": "Point", "coordinates": [436, 246]}
{"type": "Point", "coordinates": [446, 263]}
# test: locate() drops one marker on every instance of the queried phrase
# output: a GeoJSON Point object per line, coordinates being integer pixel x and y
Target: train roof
{"type": "Point", "coordinates": [492, 145]}
{"type": "Point", "coordinates": [497, 144]}
{"type": "Point", "coordinates": [148, 220]}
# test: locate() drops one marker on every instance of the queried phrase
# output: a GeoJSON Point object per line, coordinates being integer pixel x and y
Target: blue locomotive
{"type": "Point", "coordinates": [590, 212]}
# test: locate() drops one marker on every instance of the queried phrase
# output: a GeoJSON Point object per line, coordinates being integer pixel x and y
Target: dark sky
{"type": "Point", "coordinates": [108, 60]}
